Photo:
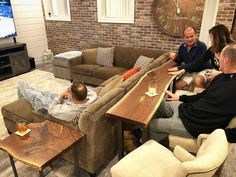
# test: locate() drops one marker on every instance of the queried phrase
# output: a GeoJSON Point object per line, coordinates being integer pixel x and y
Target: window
{"type": "Point", "coordinates": [115, 11]}
{"type": "Point", "coordinates": [57, 10]}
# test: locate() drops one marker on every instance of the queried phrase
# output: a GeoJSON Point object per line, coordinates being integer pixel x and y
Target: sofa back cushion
{"type": "Point", "coordinates": [89, 56]}
{"type": "Point", "coordinates": [111, 85]}
{"type": "Point", "coordinates": [126, 57]}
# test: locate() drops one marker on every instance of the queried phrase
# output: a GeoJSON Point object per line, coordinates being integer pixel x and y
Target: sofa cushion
{"type": "Point", "coordinates": [107, 72]}
{"type": "Point", "coordinates": [84, 69]}
{"type": "Point", "coordinates": [89, 56]}
{"type": "Point", "coordinates": [105, 56]}
{"type": "Point", "coordinates": [111, 85]}
{"type": "Point", "coordinates": [143, 61]}
{"type": "Point", "coordinates": [130, 72]}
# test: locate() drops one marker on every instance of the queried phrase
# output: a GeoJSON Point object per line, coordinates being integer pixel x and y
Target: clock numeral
{"type": "Point", "coordinates": [199, 8]}
{"type": "Point", "coordinates": [196, 20]}
{"type": "Point", "coordinates": [176, 29]}
{"type": "Point", "coordinates": [160, 9]}
{"type": "Point", "coordinates": [166, 26]}
{"type": "Point", "coordinates": [161, 19]}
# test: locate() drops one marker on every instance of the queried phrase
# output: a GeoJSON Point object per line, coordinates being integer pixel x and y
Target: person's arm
{"type": "Point", "coordinates": [199, 63]}
{"type": "Point", "coordinates": [184, 98]}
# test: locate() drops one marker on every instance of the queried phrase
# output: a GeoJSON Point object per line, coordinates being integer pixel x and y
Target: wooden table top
{"type": "Point", "coordinates": [138, 108]}
{"type": "Point", "coordinates": [43, 144]}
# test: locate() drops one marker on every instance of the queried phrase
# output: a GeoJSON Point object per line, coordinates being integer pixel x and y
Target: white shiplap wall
{"type": "Point", "coordinates": [30, 27]}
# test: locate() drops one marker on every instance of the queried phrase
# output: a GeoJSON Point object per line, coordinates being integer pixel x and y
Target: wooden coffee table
{"type": "Point", "coordinates": [138, 108]}
{"type": "Point", "coordinates": [42, 145]}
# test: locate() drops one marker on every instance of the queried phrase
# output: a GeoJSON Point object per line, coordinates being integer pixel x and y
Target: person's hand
{"type": "Point", "coordinates": [178, 72]}
{"type": "Point", "coordinates": [172, 55]}
{"type": "Point", "coordinates": [173, 97]}
{"type": "Point", "coordinates": [173, 69]}
{"type": "Point", "coordinates": [210, 74]}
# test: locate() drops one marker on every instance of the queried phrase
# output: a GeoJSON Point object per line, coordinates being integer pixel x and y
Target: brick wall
{"type": "Point", "coordinates": [84, 29]}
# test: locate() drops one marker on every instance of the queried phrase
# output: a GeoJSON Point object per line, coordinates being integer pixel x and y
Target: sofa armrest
{"type": "Point", "coordinates": [75, 61]}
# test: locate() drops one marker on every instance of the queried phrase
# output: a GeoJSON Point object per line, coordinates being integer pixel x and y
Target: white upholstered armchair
{"type": "Point", "coordinates": [154, 160]}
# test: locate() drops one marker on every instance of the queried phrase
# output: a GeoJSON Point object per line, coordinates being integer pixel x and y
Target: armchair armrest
{"type": "Point", "coordinates": [200, 139]}
{"type": "Point", "coordinates": [190, 144]}
{"type": "Point", "coordinates": [182, 155]}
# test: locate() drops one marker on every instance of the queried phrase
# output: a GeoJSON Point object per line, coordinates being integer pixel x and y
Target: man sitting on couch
{"type": "Point", "coordinates": [64, 106]}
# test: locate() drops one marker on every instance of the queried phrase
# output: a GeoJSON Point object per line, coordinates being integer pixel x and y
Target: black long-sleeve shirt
{"type": "Point", "coordinates": [211, 109]}
{"type": "Point", "coordinates": [199, 64]}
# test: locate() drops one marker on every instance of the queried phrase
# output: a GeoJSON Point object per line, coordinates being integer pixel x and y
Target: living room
{"type": "Point", "coordinates": [84, 30]}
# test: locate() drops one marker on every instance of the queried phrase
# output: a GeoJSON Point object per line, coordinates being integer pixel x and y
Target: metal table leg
{"type": "Point", "coordinates": [41, 173]}
{"type": "Point", "coordinates": [120, 139]}
{"type": "Point", "coordinates": [13, 165]}
{"type": "Point", "coordinates": [76, 160]}
{"type": "Point", "coordinates": [145, 134]}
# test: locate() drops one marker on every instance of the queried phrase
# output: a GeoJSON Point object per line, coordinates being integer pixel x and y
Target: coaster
{"type": "Point", "coordinates": [22, 134]}
{"type": "Point", "coordinates": [151, 94]}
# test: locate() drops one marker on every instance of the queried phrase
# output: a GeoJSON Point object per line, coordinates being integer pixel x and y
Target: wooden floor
{"type": "Point", "coordinates": [45, 67]}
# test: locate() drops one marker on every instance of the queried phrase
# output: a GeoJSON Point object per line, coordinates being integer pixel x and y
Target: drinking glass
{"type": "Point", "coordinates": [21, 126]}
{"type": "Point", "coordinates": [152, 87]}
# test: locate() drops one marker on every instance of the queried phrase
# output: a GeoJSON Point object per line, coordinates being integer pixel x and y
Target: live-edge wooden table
{"type": "Point", "coordinates": [138, 108]}
{"type": "Point", "coordinates": [42, 145]}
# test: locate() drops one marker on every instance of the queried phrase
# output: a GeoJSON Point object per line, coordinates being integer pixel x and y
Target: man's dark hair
{"type": "Point", "coordinates": [79, 90]}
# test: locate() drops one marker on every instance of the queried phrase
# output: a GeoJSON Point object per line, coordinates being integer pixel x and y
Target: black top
{"type": "Point", "coordinates": [211, 109]}
{"type": "Point", "coordinates": [200, 63]}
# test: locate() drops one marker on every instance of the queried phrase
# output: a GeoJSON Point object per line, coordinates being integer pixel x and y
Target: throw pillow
{"type": "Point", "coordinates": [110, 86]}
{"type": "Point", "coordinates": [130, 72]}
{"type": "Point", "coordinates": [89, 56]}
{"type": "Point", "coordinates": [143, 61]}
{"type": "Point", "coordinates": [105, 56]}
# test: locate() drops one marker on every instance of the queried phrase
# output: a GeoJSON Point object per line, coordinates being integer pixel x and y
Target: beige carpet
{"type": "Point", "coordinates": [36, 78]}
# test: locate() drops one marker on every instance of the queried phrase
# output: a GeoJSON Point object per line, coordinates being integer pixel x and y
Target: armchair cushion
{"type": "Point", "coordinates": [144, 162]}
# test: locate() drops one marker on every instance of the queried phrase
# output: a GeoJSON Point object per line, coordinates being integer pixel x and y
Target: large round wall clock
{"type": "Point", "coordinates": [173, 16]}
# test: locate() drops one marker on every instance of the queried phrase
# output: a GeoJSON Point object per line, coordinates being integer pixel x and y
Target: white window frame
{"type": "Point", "coordinates": [115, 11]}
{"type": "Point", "coordinates": [59, 10]}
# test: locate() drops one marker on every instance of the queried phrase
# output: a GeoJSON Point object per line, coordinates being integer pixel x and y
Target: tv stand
{"type": "Point", "coordinates": [13, 60]}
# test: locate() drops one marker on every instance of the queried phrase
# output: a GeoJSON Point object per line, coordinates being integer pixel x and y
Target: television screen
{"type": "Point", "coordinates": [7, 25]}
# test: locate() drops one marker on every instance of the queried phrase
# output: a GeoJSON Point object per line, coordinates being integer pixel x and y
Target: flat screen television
{"type": "Point", "coordinates": [7, 25]}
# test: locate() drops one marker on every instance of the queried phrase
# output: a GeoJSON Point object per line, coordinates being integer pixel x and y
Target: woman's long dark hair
{"type": "Point", "coordinates": [221, 37]}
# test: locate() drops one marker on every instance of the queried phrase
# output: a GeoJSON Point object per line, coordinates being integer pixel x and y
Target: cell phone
{"type": "Point", "coordinates": [43, 111]}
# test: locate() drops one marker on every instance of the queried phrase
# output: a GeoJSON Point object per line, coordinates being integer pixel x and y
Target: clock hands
{"type": "Point", "coordinates": [177, 6]}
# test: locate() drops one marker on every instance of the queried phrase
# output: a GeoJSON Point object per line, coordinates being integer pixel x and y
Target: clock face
{"type": "Point", "coordinates": [173, 16]}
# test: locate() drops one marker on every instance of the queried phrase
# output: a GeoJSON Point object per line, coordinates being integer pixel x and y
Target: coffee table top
{"type": "Point", "coordinates": [43, 144]}
{"type": "Point", "coordinates": [138, 108]}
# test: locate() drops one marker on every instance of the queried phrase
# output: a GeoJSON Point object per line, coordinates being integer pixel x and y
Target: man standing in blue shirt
{"type": "Point", "coordinates": [192, 49]}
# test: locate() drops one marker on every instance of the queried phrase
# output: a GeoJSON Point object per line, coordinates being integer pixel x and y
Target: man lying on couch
{"type": "Point", "coordinates": [64, 106]}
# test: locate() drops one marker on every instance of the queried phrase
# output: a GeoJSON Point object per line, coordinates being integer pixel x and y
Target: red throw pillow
{"type": "Point", "coordinates": [130, 72]}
